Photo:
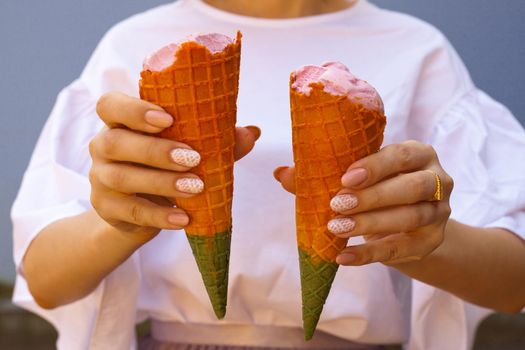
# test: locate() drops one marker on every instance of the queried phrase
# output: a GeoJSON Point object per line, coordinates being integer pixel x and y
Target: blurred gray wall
{"type": "Point", "coordinates": [45, 44]}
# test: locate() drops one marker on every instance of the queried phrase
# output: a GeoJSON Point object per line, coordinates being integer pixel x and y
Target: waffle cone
{"type": "Point", "coordinates": [200, 91]}
{"type": "Point", "coordinates": [329, 134]}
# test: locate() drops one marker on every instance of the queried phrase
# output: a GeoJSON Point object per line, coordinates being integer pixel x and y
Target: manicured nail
{"type": "Point", "coordinates": [255, 130]}
{"type": "Point", "coordinates": [186, 157]}
{"type": "Point", "coordinates": [341, 225]}
{"type": "Point", "coordinates": [345, 259]}
{"type": "Point", "coordinates": [190, 185]}
{"type": "Point", "coordinates": [178, 219]}
{"type": "Point", "coordinates": [343, 202]}
{"type": "Point", "coordinates": [277, 172]}
{"type": "Point", "coordinates": [158, 119]}
{"type": "Point", "coordinates": [354, 177]}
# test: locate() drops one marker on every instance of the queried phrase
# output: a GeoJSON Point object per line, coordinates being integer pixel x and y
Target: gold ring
{"type": "Point", "coordinates": [438, 195]}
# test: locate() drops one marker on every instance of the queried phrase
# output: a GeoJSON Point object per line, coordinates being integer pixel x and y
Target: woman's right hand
{"type": "Point", "coordinates": [134, 172]}
{"type": "Point", "coordinates": [135, 175]}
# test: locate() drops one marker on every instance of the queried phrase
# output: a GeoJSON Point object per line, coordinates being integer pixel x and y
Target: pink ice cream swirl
{"type": "Point", "coordinates": [337, 80]}
{"type": "Point", "coordinates": [166, 56]}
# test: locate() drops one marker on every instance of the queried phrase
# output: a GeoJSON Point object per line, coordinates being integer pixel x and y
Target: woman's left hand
{"type": "Point", "coordinates": [397, 199]}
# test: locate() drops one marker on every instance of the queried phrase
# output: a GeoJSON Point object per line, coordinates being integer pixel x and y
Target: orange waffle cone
{"type": "Point", "coordinates": [200, 91]}
{"type": "Point", "coordinates": [329, 134]}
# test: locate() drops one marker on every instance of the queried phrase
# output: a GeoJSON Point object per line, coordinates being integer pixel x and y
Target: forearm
{"type": "Point", "coordinates": [70, 257]}
{"type": "Point", "coordinates": [482, 266]}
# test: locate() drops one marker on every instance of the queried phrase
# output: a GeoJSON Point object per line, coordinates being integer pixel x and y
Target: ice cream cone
{"type": "Point", "coordinates": [330, 131]}
{"type": "Point", "coordinates": [199, 89]}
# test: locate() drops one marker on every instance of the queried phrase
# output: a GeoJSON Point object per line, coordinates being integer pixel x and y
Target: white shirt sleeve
{"type": "Point", "coordinates": [56, 185]}
{"type": "Point", "coordinates": [482, 146]}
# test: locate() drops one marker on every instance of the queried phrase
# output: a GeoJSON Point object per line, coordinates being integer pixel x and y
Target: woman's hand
{"type": "Point", "coordinates": [135, 174]}
{"type": "Point", "coordinates": [133, 177]}
{"type": "Point", "coordinates": [389, 199]}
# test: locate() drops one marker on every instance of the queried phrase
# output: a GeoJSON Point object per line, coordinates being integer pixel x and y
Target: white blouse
{"type": "Point", "coordinates": [428, 96]}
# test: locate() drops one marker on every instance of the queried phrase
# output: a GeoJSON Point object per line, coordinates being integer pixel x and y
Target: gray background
{"type": "Point", "coordinates": [45, 44]}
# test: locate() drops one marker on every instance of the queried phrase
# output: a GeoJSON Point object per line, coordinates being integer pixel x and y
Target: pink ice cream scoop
{"type": "Point", "coordinates": [165, 56]}
{"type": "Point", "coordinates": [337, 80]}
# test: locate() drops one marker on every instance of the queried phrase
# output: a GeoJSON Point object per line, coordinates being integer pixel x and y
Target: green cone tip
{"type": "Point", "coordinates": [212, 254]}
{"type": "Point", "coordinates": [316, 281]}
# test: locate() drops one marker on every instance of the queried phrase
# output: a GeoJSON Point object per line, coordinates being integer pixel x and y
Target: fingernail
{"type": "Point", "coordinates": [277, 172]}
{"type": "Point", "coordinates": [178, 219]}
{"type": "Point", "coordinates": [189, 185]}
{"type": "Point", "coordinates": [158, 119]}
{"type": "Point", "coordinates": [343, 202]}
{"type": "Point", "coordinates": [345, 259]}
{"type": "Point", "coordinates": [354, 177]}
{"type": "Point", "coordinates": [255, 130]}
{"type": "Point", "coordinates": [340, 225]}
{"type": "Point", "coordinates": [186, 157]}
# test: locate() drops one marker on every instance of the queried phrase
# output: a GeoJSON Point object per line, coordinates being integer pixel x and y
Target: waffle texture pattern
{"type": "Point", "coordinates": [329, 134]}
{"type": "Point", "coordinates": [200, 91]}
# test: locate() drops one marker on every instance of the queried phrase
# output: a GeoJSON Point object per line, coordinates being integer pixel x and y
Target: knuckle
{"type": "Point", "coordinates": [92, 147]}
{"type": "Point", "coordinates": [448, 182]}
{"type": "Point", "coordinates": [152, 150]}
{"type": "Point", "coordinates": [392, 252]}
{"type": "Point", "coordinates": [109, 142]}
{"type": "Point", "coordinates": [99, 204]}
{"type": "Point", "coordinates": [404, 154]}
{"type": "Point", "coordinates": [137, 213]}
{"type": "Point", "coordinates": [95, 142]}
{"type": "Point", "coordinates": [434, 240]}
{"type": "Point", "coordinates": [95, 201]}
{"type": "Point", "coordinates": [104, 103]}
{"type": "Point", "coordinates": [115, 178]}
{"type": "Point", "coordinates": [93, 175]}
{"type": "Point", "coordinates": [446, 211]}
{"type": "Point", "coordinates": [429, 149]}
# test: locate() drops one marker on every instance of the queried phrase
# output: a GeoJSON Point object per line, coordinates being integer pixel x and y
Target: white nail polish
{"type": "Point", "coordinates": [185, 157]}
{"type": "Point", "coordinates": [343, 202]}
{"type": "Point", "coordinates": [341, 225]}
{"type": "Point", "coordinates": [190, 185]}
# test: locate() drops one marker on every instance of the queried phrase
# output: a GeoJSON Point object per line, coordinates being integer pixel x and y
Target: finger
{"type": "Point", "coordinates": [131, 179]}
{"type": "Point", "coordinates": [119, 110]}
{"type": "Point", "coordinates": [140, 211]}
{"type": "Point", "coordinates": [245, 138]}
{"type": "Point", "coordinates": [286, 176]}
{"type": "Point", "coordinates": [394, 248]}
{"type": "Point", "coordinates": [396, 219]}
{"type": "Point", "coordinates": [128, 146]}
{"type": "Point", "coordinates": [400, 190]}
{"type": "Point", "coordinates": [388, 162]}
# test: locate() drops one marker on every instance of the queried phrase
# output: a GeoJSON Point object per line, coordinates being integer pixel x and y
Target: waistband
{"type": "Point", "coordinates": [249, 336]}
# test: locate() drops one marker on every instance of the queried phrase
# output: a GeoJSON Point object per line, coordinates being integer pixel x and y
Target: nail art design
{"type": "Point", "coordinates": [343, 202]}
{"type": "Point", "coordinates": [186, 157]}
{"type": "Point", "coordinates": [341, 225]}
{"type": "Point", "coordinates": [190, 185]}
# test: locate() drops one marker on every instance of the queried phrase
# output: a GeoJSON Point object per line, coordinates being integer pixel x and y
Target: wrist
{"type": "Point", "coordinates": [118, 241]}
